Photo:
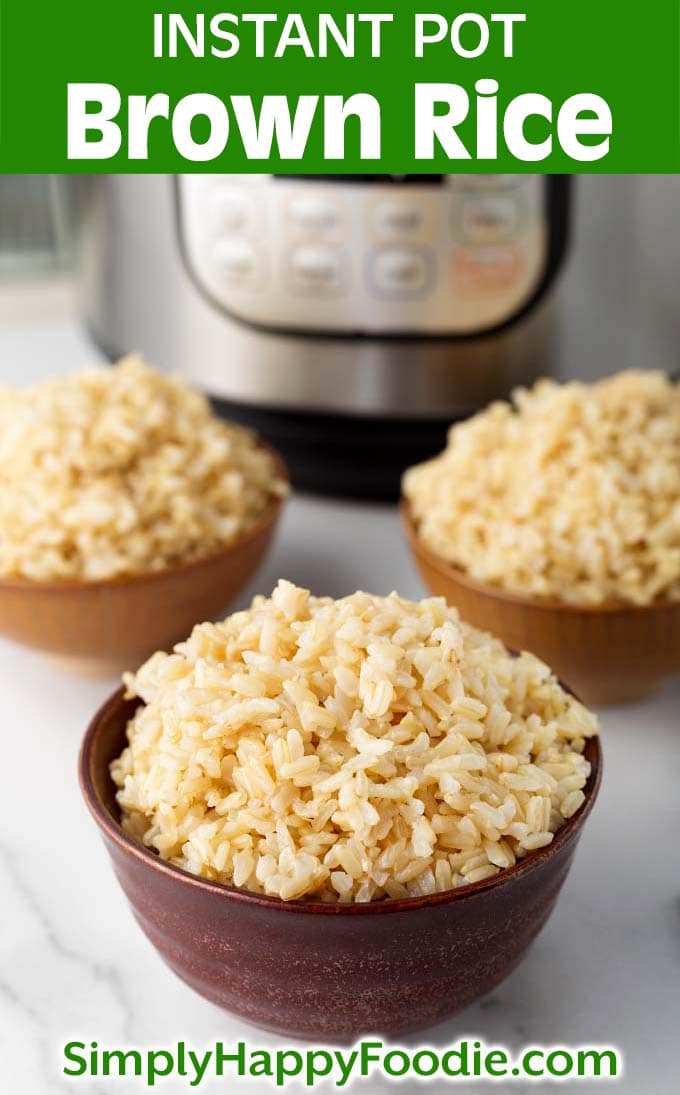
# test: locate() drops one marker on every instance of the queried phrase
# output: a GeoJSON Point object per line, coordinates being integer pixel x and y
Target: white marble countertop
{"type": "Point", "coordinates": [73, 963]}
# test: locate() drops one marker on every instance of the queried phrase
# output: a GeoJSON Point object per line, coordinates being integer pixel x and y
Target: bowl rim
{"type": "Point", "coordinates": [548, 604]}
{"type": "Point", "coordinates": [266, 519]}
{"type": "Point", "coordinates": [113, 830]}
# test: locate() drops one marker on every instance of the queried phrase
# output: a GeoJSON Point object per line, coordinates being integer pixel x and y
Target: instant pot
{"type": "Point", "coordinates": [349, 319]}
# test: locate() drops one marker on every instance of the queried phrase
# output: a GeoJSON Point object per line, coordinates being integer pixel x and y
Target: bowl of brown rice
{"type": "Point", "coordinates": [554, 521]}
{"type": "Point", "coordinates": [127, 511]}
{"type": "Point", "coordinates": [334, 817]}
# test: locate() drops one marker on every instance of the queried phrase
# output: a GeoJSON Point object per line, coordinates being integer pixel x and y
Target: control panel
{"type": "Point", "coordinates": [460, 254]}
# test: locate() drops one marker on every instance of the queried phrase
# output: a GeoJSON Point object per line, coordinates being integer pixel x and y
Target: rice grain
{"type": "Point", "coordinates": [260, 770]}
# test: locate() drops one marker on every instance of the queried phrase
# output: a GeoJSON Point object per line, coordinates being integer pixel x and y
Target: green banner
{"type": "Point", "coordinates": [142, 85]}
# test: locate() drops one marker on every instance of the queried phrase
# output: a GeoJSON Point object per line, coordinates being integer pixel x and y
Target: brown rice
{"type": "Point", "coordinates": [118, 471]}
{"type": "Point", "coordinates": [348, 750]}
{"type": "Point", "coordinates": [572, 492]}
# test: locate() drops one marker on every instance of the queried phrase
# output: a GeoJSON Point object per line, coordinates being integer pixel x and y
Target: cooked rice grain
{"type": "Point", "coordinates": [119, 471]}
{"type": "Point", "coordinates": [572, 492]}
{"type": "Point", "coordinates": [348, 750]}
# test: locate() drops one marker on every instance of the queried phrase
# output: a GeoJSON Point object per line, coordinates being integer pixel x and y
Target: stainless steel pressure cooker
{"type": "Point", "coordinates": [348, 318]}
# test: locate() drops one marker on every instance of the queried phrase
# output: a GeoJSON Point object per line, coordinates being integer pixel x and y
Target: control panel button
{"type": "Point", "coordinates": [489, 218]}
{"type": "Point", "coordinates": [317, 268]}
{"type": "Point", "coordinates": [313, 213]}
{"type": "Point", "coordinates": [232, 210]}
{"type": "Point", "coordinates": [401, 271]}
{"type": "Point", "coordinates": [487, 271]}
{"type": "Point", "coordinates": [236, 260]}
{"type": "Point", "coordinates": [398, 219]}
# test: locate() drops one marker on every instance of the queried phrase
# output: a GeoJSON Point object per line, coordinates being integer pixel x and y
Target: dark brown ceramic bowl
{"type": "Point", "coordinates": [328, 971]}
{"type": "Point", "coordinates": [103, 627]}
{"type": "Point", "coordinates": [607, 654]}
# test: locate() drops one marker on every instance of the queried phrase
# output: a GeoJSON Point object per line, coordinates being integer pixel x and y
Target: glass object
{"type": "Point", "coordinates": [36, 223]}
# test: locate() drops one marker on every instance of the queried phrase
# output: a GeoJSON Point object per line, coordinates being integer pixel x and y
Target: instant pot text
{"type": "Point", "coordinates": [464, 121]}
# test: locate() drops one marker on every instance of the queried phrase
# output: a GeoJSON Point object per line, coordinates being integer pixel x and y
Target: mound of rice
{"type": "Point", "coordinates": [119, 471]}
{"type": "Point", "coordinates": [348, 750]}
{"type": "Point", "coordinates": [572, 492]}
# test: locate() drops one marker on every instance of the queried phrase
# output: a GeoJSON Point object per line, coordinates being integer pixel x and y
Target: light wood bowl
{"type": "Point", "coordinates": [606, 654]}
{"type": "Point", "coordinates": [98, 628]}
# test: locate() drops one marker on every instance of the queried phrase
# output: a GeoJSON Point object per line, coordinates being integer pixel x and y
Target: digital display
{"type": "Point", "coordinates": [398, 180]}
